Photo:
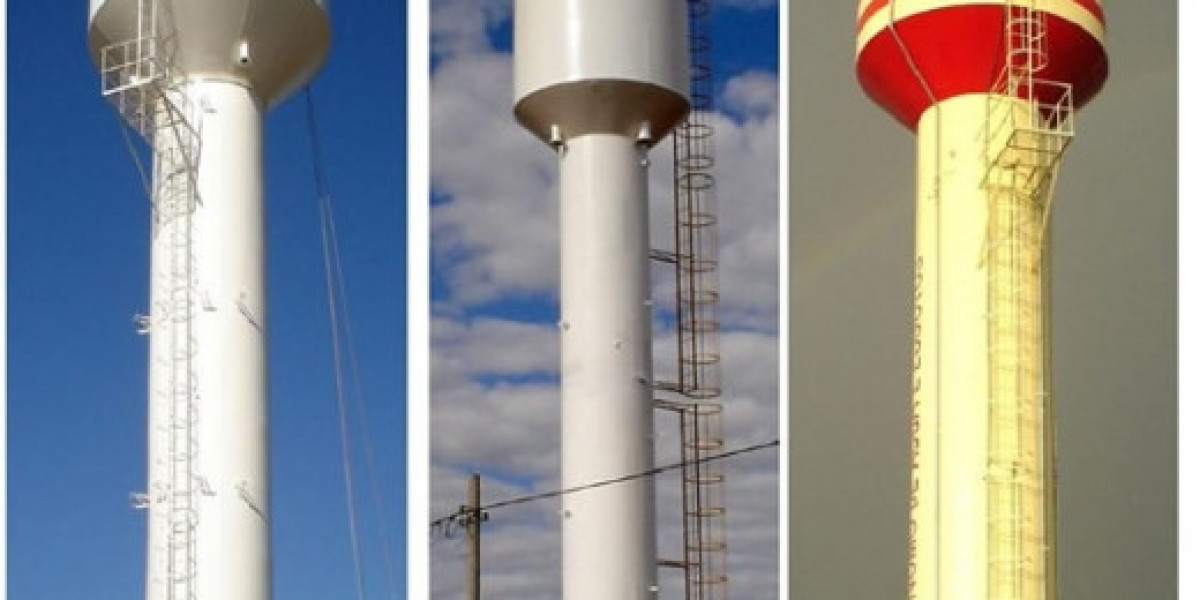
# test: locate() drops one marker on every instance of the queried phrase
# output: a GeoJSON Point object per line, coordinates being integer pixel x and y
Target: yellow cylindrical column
{"type": "Point", "coordinates": [948, 539]}
{"type": "Point", "coordinates": [1018, 185]}
{"type": "Point", "coordinates": [977, 526]}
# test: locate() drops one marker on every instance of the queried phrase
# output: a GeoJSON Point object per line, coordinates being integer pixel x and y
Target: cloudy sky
{"type": "Point", "coordinates": [494, 345]}
{"type": "Point", "coordinates": [1114, 319]}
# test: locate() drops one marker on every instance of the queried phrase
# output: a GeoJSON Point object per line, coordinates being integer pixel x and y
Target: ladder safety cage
{"type": "Point", "coordinates": [1029, 123]}
{"type": "Point", "coordinates": [139, 79]}
{"type": "Point", "coordinates": [696, 388]}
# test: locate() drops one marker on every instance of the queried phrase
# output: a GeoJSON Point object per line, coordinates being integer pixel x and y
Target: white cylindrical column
{"type": "Point", "coordinates": [232, 533]}
{"type": "Point", "coordinates": [977, 525]}
{"type": "Point", "coordinates": [608, 532]}
{"type": "Point", "coordinates": [222, 351]}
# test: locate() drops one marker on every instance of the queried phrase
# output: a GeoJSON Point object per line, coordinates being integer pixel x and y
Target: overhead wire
{"type": "Point", "coordinates": [449, 520]}
{"type": "Point", "coordinates": [137, 158]}
{"type": "Point", "coordinates": [357, 396]}
{"type": "Point", "coordinates": [346, 384]}
{"type": "Point", "coordinates": [368, 447]}
{"type": "Point", "coordinates": [911, 62]}
{"type": "Point", "coordinates": [324, 208]}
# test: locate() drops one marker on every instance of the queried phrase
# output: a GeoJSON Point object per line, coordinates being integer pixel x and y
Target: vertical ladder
{"type": "Point", "coordinates": [1029, 137]}
{"type": "Point", "coordinates": [1014, 345]}
{"type": "Point", "coordinates": [702, 433]}
{"type": "Point", "coordinates": [704, 502]}
{"type": "Point", "coordinates": [698, 374]}
{"type": "Point", "coordinates": [174, 204]}
{"type": "Point", "coordinates": [1029, 124]}
{"type": "Point", "coordinates": [1026, 56]}
{"type": "Point", "coordinates": [702, 484]}
{"type": "Point", "coordinates": [139, 80]}
{"type": "Point", "coordinates": [696, 223]}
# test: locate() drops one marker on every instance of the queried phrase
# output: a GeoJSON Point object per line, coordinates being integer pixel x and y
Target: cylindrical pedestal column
{"type": "Point", "coordinates": [602, 82]}
{"type": "Point", "coordinates": [977, 527]}
{"type": "Point", "coordinates": [608, 532]}
{"type": "Point", "coordinates": [233, 545]}
{"type": "Point", "coordinates": [208, 342]}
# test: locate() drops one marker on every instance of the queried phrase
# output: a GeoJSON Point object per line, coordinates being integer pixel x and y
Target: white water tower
{"type": "Point", "coordinates": [194, 78]}
{"type": "Point", "coordinates": [602, 82]}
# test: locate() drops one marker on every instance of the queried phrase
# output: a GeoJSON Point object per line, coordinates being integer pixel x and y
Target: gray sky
{"type": "Point", "coordinates": [1114, 319]}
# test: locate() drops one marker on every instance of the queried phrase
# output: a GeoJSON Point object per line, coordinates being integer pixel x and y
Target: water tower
{"type": "Point", "coordinates": [194, 79]}
{"type": "Point", "coordinates": [601, 83]}
{"type": "Point", "coordinates": [990, 87]}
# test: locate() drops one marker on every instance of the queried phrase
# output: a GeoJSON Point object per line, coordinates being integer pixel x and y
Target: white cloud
{"type": "Point", "coordinates": [494, 404]}
{"type": "Point", "coordinates": [469, 346]}
{"type": "Point", "coordinates": [753, 93]}
{"type": "Point", "coordinates": [499, 235]}
{"type": "Point", "coordinates": [459, 27]}
{"type": "Point", "coordinates": [747, 170]}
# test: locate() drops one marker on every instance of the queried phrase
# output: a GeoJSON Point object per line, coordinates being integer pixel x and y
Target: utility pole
{"type": "Point", "coordinates": [472, 517]}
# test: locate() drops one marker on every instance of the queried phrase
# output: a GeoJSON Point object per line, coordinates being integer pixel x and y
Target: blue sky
{"type": "Point", "coordinates": [77, 273]}
{"type": "Point", "coordinates": [494, 303]}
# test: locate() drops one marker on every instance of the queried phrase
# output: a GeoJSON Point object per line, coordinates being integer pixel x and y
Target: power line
{"type": "Point", "coordinates": [326, 221]}
{"type": "Point", "coordinates": [347, 384]}
{"type": "Point", "coordinates": [450, 521]}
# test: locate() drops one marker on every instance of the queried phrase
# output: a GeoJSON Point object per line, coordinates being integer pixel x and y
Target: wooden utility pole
{"type": "Point", "coordinates": [472, 517]}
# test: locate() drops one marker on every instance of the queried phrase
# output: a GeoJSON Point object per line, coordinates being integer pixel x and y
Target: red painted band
{"type": "Point", "coordinates": [970, 60]}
